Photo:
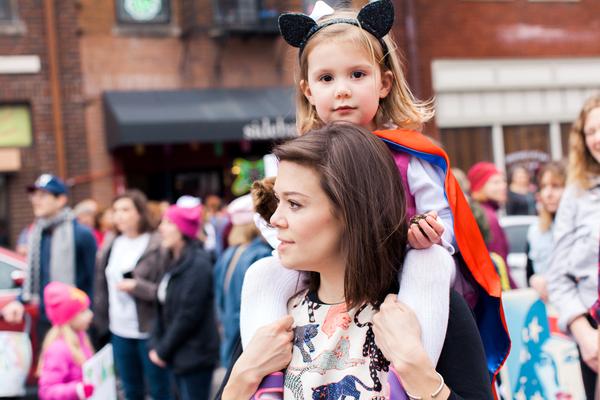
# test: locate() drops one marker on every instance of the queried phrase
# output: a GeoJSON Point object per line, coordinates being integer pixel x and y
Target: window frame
{"type": "Point", "coordinates": [13, 26]}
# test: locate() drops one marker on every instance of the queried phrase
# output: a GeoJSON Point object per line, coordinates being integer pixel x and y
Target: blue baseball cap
{"type": "Point", "coordinates": [49, 183]}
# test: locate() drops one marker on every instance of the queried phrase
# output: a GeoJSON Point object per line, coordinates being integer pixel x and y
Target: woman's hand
{"type": "Point", "coordinates": [398, 333]}
{"type": "Point", "coordinates": [126, 285]}
{"type": "Point", "coordinates": [154, 357]}
{"type": "Point", "coordinates": [398, 336]}
{"type": "Point", "coordinates": [270, 350]}
{"type": "Point", "coordinates": [426, 232]}
{"type": "Point", "coordinates": [587, 340]}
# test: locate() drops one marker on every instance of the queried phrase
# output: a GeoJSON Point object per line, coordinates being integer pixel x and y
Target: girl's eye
{"type": "Point", "coordinates": [358, 74]}
{"type": "Point", "coordinates": [326, 78]}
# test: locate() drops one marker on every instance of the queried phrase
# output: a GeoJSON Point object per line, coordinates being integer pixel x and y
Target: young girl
{"type": "Point", "coordinates": [573, 271]}
{"type": "Point", "coordinates": [350, 71]}
{"type": "Point", "coordinates": [551, 183]}
{"type": "Point", "coordinates": [66, 345]}
{"type": "Point", "coordinates": [349, 330]}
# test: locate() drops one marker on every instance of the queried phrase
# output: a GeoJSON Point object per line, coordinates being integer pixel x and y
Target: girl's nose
{"type": "Point", "coordinates": [342, 91]}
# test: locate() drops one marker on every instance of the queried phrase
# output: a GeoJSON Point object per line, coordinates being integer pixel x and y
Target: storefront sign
{"type": "Point", "coordinates": [15, 126]}
{"type": "Point", "coordinates": [267, 129]}
{"type": "Point", "coordinates": [530, 159]}
{"type": "Point", "coordinates": [20, 64]}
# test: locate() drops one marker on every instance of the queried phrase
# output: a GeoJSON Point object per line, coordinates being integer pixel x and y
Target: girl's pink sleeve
{"type": "Point", "coordinates": [51, 385]}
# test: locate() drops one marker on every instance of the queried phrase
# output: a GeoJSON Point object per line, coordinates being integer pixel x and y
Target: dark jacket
{"type": "Point", "coordinates": [147, 272]}
{"type": "Point", "coordinates": [185, 333]}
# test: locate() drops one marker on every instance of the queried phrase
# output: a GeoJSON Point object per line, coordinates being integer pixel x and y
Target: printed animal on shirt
{"type": "Point", "coordinates": [339, 390]}
{"type": "Point", "coordinates": [338, 358]}
{"type": "Point", "coordinates": [337, 317]}
{"type": "Point", "coordinates": [303, 336]}
{"type": "Point", "coordinates": [294, 383]}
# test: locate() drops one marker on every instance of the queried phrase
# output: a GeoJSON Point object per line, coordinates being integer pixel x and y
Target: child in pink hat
{"type": "Point", "coordinates": [66, 346]}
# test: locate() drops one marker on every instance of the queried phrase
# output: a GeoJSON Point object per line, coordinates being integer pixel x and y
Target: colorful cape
{"type": "Point", "coordinates": [488, 310]}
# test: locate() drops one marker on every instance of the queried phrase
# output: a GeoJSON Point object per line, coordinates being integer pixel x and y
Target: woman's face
{"type": "Point", "coordinates": [591, 131]}
{"type": "Point", "coordinates": [495, 189]}
{"type": "Point", "coordinates": [170, 234]}
{"type": "Point", "coordinates": [125, 216]}
{"type": "Point", "coordinates": [310, 234]}
{"type": "Point", "coordinates": [520, 177]}
{"type": "Point", "coordinates": [551, 190]}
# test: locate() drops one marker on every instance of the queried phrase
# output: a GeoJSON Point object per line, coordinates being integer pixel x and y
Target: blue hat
{"type": "Point", "coordinates": [49, 183]}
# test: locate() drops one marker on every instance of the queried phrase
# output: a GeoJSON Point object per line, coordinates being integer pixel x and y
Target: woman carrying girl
{"type": "Point", "coordinates": [66, 345]}
{"type": "Point", "coordinates": [349, 328]}
{"type": "Point", "coordinates": [551, 183]}
{"type": "Point", "coordinates": [573, 272]}
{"type": "Point", "coordinates": [349, 70]}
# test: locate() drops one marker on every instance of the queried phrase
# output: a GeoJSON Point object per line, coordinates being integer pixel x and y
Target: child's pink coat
{"type": "Point", "coordinates": [60, 373]}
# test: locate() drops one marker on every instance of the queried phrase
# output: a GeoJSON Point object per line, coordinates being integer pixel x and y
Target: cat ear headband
{"type": "Point", "coordinates": [376, 18]}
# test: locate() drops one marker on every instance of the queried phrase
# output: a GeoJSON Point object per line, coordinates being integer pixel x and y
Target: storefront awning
{"type": "Point", "coordinates": [208, 115]}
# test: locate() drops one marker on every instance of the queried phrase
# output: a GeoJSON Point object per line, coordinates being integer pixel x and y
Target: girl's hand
{"type": "Point", "coordinates": [270, 350]}
{"type": "Point", "coordinates": [398, 333]}
{"type": "Point", "coordinates": [126, 285]}
{"type": "Point", "coordinates": [153, 355]}
{"type": "Point", "coordinates": [426, 232]}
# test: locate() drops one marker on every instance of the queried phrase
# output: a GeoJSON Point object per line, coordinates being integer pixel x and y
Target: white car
{"type": "Point", "coordinates": [516, 227]}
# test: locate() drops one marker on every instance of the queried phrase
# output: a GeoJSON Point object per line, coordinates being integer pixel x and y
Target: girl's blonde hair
{"type": "Point", "coordinates": [399, 107]}
{"type": "Point", "coordinates": [68, 334]}
{"type": "Point", "coordinates": [581, 162]}
{"type": "Point", "coordinates": [559, 175]}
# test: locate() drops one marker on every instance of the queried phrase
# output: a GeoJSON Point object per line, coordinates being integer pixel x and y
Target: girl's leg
{"type": "Point", "coordinates": [267, 288]}
{"type": "Point", "coordinates": [427, 276]}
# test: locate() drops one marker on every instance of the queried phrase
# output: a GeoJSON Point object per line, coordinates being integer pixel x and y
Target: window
{"type": "Point", "coordinates": [246, 16]}
{"type": "Point", "coordinates": [143, 11]}
{"type": "Point", "coordinates": [10, 24]}
{"type": "Point", "coordinates": [467, 146]}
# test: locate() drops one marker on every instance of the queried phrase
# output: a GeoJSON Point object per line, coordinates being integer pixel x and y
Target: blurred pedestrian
{"type": "Point", "coordinates": [185, 336]}
{"type": "Point", "coordinates": [551, 182]}
{"type": "Point", "coordinates": [246, 246]}
{"type": "Point", "coordinates": [86, 212]}
{"type": "Point", "coordinates": [573, 271]}
{"type": "Point", "coordinates": [520, 200]}
{"type": "Point", "coordinates": [105, 224]}
{"type": "Point", "coordinates": [66, 346]}
{"type": "Point", "coordinates": [488, 188]}
{"type": "Point", "coordinates": [59, 249]}
{"type": "Point", "coordinates": [129, 269]}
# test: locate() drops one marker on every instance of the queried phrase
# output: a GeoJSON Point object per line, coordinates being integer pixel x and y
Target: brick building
{"type": "Point", "coordinates": [106, 86]}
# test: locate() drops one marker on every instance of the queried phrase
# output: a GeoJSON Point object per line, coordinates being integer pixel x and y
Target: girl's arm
{"type": "Point", "coordinates": [55, 369]}
{"type": "Point", "coordinates": [426, 184]}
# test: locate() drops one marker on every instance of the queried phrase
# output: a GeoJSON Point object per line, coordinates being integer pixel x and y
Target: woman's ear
{"type": "Point", "coordinates": [305, 88]}
{"type": "Point", "coordinates": [387, 80]}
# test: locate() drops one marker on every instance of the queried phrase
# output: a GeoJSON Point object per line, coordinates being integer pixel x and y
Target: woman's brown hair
{"type": "Point", "coordinates": [581, 161]}
{"type": "Point", "coordinates": [361, 180]}
{"type": "Point", "coordinates": [140, 202]}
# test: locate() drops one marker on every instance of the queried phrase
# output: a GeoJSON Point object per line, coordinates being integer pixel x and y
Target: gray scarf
{"type": "Point", "coordinates": [62, 252]}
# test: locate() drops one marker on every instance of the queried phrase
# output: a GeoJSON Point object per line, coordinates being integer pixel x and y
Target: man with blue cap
{"type": "Point", "coordinates": [60, 249]}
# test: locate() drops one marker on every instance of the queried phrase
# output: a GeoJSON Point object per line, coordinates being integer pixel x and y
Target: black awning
{"type": "Point", "coordinates": [208, 115]}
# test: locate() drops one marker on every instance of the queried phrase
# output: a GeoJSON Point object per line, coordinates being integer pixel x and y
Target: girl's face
{"type": "Point", "coordinates": [495, 188]}
{"type": "Point", "coordinates": [309, 232]}
{"type": "Point", "coordinates": [551, 190]}
{"type": "Point", "coordinates": [591, 131]}
{"type": "Point", "coordinates": [82, 321]}
{"type": "Point", "coordinates": [170, 234]}
{"type": "Point", "coordinates": [344, 84]}
{"type": "Point", "coordinates": [126, 216]}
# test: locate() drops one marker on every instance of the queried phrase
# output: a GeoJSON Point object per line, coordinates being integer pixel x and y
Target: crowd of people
{"type": "Point", "coordinates": [366, 267]}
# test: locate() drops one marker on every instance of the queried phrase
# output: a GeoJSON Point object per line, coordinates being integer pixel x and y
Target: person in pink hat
{"type": "Point", "coordinates": [185, 337]}
{"type": "Point", "coordinates": [66, 346]}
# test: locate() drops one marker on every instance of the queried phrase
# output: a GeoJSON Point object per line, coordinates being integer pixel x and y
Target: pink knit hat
{"type": "Point", "coordinates": [241, 210]}
{"type": "Point", "coordinates": [186, 219]}
{"type": "Point", "coordinates": [63, 302]}
{"type": "Point", "coordinates": [480, 173]}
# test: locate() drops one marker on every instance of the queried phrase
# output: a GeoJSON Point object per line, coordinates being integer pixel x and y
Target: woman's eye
{"type": "Point", "coordinates": [293, 204]}
{"type": "Point", "coordinates": [358, 74]}
{"type": "Point", "coordinates": [326, 78]}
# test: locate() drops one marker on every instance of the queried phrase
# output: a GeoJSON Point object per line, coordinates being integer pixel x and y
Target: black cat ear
{"type": "Point", "coordinates": [377, 17]}
{"type": "Point", "coordinates": [295, 28]}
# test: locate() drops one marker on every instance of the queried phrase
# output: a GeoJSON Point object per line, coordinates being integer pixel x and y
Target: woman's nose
{"type": "Point", "coordinates": [277, 219]}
